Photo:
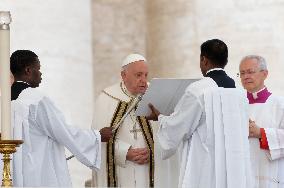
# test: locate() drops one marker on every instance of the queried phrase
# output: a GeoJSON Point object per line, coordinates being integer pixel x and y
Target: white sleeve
{"type": "Point", "coordinates": [180, 124]}
{"type": "Point", "coordinates": [275, 137]}
{"type": "Point", "coordinates": [84, 144]}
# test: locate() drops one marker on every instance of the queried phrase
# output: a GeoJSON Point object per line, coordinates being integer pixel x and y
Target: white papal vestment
{"type": "Point", "coordinates": [211, 123]}
{"type": "Point", "coordinates": [268, 165]}
{"type": "Point", "coordinates": [41, 160]}
{"type": "Point", "coordinates": [115, 169]}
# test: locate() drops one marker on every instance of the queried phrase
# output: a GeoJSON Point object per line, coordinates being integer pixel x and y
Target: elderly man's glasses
{"type": "Point", "coordinates": [248, 72]}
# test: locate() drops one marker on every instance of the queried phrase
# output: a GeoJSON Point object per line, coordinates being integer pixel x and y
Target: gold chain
{"type": "Point", "coordinates": [124, 91]}
{"type": "Point", "coordinates": [135, 119]}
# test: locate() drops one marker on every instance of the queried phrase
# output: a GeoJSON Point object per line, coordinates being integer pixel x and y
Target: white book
{"type": "Point", "coordinates": [164, 94]}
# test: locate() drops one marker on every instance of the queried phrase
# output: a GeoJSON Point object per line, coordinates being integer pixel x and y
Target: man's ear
{"type": "Point", "coordinates": [205, 61]}
{"type": "Point", "coordinates": [265, 73]}
{"type": "Point", "coordinates": [28, 70]}
{"type": "Point", "coordinates": [123, 74]}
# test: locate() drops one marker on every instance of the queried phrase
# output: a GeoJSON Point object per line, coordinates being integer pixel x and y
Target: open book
{"type": "Point", "coordinates": [164, 94]}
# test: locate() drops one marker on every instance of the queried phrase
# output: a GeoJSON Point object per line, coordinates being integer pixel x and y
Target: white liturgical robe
{"type": "Point", "coordinates": [41, 160]}
{"type": "Point", "coordinates": [268, 165]}
{"type": "Point", "coordinates": [115, 169]}
{"type": "Point", "coordinates": [211, 123]}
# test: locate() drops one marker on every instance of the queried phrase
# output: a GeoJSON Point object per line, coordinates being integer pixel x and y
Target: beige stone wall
{"type": "Point", "coordinates": [119, 28]}
{"type": "Point", "coordinates": [173, 31]}
{"type": "Point", "coordinates": [248, 27]}
{"type": "Point", "coordinates": [172, 38]}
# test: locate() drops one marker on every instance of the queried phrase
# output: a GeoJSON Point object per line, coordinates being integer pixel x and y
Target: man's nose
{"type": "Point", "coordinates": [144, 78]}
{"type": "Point", "coordinates": [245, 75]}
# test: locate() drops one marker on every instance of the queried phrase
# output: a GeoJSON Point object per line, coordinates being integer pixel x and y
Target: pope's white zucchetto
{"type": "Point", "coordinates": [132, 58]}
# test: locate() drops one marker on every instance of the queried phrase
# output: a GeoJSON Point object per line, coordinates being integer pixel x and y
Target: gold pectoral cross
{"type": "Point", "coordinates": [135, 131]}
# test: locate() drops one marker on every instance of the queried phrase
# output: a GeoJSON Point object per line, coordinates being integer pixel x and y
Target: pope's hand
{"type": "Point", "coordinates": [138, 155]}
{"type": "Point", "coordinates": [254, 130]}
{"type": "Point", "coordinates": [106, 134]}
{"type": "Point", "coordinates": [154, 114]}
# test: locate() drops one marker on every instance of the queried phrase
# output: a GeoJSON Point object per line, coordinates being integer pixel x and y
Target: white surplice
{"type": "Point", "coordinates": [211, 125]}
{"type": "Point", "coordinates": [41, 160]}
{"type": "Point", "coordinates": [268, 165]}
{"type": "Point", "coordinates": [129, 174]}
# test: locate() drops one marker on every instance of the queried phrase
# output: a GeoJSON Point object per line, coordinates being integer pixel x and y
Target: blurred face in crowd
{"type": "Point", "coordinates": [135, 77]}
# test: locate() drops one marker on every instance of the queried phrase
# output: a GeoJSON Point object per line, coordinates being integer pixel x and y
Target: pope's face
{"type": "Point", "coordinates": [135, 77]}
{"type": "Point", "coordinates": [252, 77]}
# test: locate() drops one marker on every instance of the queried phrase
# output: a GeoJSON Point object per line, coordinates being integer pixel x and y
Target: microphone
{"type": "Point", "coordinates": [135, 101]}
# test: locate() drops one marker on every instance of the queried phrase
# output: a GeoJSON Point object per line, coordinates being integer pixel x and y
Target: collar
{"type": "Point", "coordinates": [125, 91]}
{"type": "Point", "coordinates": [258, 97]}
{"type": "Point", "coordinates": [215, 69]}
{"type": "Point", "coordinates": [19, 81]}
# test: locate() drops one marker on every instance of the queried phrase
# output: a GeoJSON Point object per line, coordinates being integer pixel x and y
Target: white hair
{"type": "Point", "coordinates": [124, 67]}
{"type": "Point", "coordinates": [260, 61]}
